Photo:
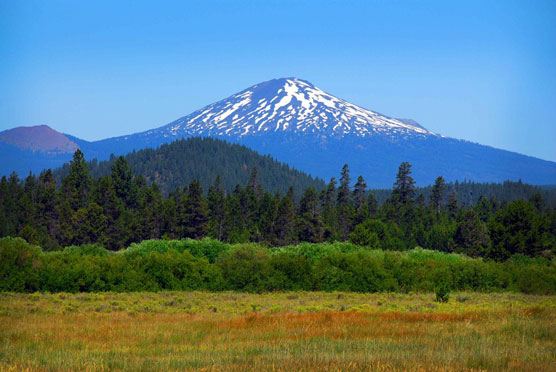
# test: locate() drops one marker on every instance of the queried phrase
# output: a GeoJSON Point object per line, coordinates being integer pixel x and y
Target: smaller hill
{"type": "Point", "coordinates": [32, 149]}
{"type": "Point", "coordinates": [176, 164]}
{"type": "Point", "coordinates": [38, 138]}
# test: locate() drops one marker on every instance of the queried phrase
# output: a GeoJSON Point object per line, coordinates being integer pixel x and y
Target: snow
{"type": "Point", "coordinates": [292, 105]}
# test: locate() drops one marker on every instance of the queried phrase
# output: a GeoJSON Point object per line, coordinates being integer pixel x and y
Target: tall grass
{"type": "Point", "coordinates": [311, 331]}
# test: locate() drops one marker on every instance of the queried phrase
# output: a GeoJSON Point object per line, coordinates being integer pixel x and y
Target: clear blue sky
{"type": "Point", "coordinates": [484, 71]}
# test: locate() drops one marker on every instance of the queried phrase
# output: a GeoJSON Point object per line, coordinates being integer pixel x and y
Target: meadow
{"type": "Point", "coordinates": [282, 331]}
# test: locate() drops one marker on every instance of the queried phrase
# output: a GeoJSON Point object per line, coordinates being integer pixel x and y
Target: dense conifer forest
{"type": "Point", "coordinates": [119, 208]}
{"type": "Point", "coordinates": [172, 166]}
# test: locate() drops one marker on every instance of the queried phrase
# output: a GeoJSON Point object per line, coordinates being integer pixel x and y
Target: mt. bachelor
{"type": "Point", "coordinates": [299, 124]}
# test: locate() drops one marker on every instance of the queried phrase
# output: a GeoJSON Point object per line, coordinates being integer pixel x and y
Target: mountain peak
{"type": "Point", "coordinates": [38, 138]}
{"type": "Point", "coordinates": [289, 106]}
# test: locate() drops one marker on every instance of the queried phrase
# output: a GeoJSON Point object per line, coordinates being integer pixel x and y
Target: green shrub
{"type": "Point", "coordinates": [19, 264]}
{"type": "Point", "coordinates": [245, 268]}
{"type": "Point", "coordinates": [207, 264]}
{"type": "Point", "coordinates": [442, 293]}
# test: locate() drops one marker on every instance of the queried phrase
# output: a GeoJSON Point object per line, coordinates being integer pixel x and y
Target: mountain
{"type": "Point", "coordinates": [176, 164]}
{"type": "Point", "coordinates": [25, 149]}
{"type": "Point", "coordinates": [316, 132]}
{"type": "Point", "coordinates": [279, 108]}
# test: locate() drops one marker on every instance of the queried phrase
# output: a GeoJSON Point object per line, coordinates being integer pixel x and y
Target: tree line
{"type": "Point", "coordinates": [120, 208]}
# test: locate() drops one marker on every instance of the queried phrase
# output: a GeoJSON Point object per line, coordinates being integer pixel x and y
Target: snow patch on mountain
{"type": "Point", "coordinates": [289, 105]}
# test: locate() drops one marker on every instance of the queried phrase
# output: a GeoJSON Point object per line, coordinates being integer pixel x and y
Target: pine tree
{"type": "Point", "coordinates": [471, 237]}
{"type": "Point", "coordinates": [250, 198]}
{"type": "Point", "coordinates": [404, 187]}
{"type": "Point", "coordinates": [483, 208]}
{"type": "Point", "coordinates": [452, 205]}
{"type": "Point", "coordinates": [27, 202]}
{"type": "Point", "coordinates": [253, 186]}
{"type": "Point", "coordinates": [344, 204]}
{"type": "Point", "coordinates": [169, 229]}
{"type": "Point", "coordinates": [235, 227]}
{"type": "Point", "coordinates": [90, 224]}
{"type": "Point", "coordinates": [309, 222]}
{"type": "Point", "coordinates": [361, 207]}
{"type": "Point", "coordinates": [217, 209]}
{"type": "Point", "coordinates": [195, 214]}
{"type": "Point", "coordinates": [150, 212]}
{"type": "Point", "coordinates": [285, 225]}
{"type": "Point", "coordinates": [75, 186]}
{"type": "Point", "coordinates": [122, 178]}
{"type": "Point", "coordinates": [372, 205]}
{"type": "Point", "coordinates": [437, 194]}
{"type": "Point", "coordinates": [328, 202]}
{"type": "Point", "coordinates": [269, 217]}
{"type": "Point", "coordinates": [46, 208]}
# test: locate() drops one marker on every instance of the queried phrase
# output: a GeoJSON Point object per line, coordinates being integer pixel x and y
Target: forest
{"type": "Point", "coordinates": [119, 209]}
{"type": "Point", "coordinates": [176, 164]}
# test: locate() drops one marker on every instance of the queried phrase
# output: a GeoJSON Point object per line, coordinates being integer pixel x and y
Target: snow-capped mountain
{"type": "Point", "coordinates": [288, 105]}
{"type": "Point", "coordinates": [316, 132]}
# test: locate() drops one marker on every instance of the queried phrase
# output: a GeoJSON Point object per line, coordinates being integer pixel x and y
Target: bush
{"type": "Point", "coordinates": [207, 264]}
{"type": "Point", "coordinates": [442, 293]}
{"type": "Point", "coordinates": [245, 268]}
{"type": "Point", "coordinates": [19, 264]}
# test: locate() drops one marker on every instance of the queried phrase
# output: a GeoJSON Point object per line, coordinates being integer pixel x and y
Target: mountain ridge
{"type": "Point", "coordinates": [299, 124]}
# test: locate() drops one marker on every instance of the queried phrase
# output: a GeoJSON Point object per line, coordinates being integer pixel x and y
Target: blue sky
{"type": "Point", "coordinates": [483, 71]}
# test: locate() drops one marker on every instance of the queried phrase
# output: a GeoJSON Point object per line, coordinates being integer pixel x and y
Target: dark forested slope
{"type": "Point", "coordinates": [176, 164]}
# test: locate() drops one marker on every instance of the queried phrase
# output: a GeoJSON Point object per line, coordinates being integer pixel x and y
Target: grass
{"type": "Point", "coordinates": [312, 331]}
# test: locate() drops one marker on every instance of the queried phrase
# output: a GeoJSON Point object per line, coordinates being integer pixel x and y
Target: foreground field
{"type": "Point", "coordinates": [311, 331]}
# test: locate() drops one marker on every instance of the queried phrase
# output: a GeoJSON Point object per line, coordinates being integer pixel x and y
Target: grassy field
{"type": "Point", "coordinates": [312, 331]}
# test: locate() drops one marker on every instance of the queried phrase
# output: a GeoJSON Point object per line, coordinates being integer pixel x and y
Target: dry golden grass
{"type": "Point", "coordinates": [186, 331]}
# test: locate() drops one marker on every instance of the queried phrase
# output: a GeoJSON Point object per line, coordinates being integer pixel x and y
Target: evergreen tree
{"type": "Point", "coordinates": [538, 201]}
{"type": "Point", "coordinates": [285, 225]}
{"type": "Point", "coordinates": [404, 187]}
{"type": "Point", "coordinates": [253, 186]}
{"type": "Point", "coordinates": [46, 208]}
{"type": "Point", "coordinates": [372, 205]}
{"type": "Point", "coordinates": [217, 209]}
{"type": "Point", "coordinates": [235, 228]}
{"type": "Point", "coordinates": [309, 222]}
{"type": "Point", "coordinates": [104, 195]}
{"type": "Point", "coordinates": [28, 201]}
{"type": "Point", "coordinates": [361, 210]}
{"type": "Point", "coordinates": [517, 229]}
{"type": "Point", "coordinates": [169, 227]}
{"type": "Point", "coordinates": [90, 224]}
{"type": "Point", "coordinates": [250, 200]}
{"type": "Point", "coordinates": [344, 204]}
{"type": "Point", "coordinates": [194, 219]}
{"type": "Point", "coordinates": [269, 217]}
{"type": "Point", "coordinates": [75, 186]}
{"type": "Point", "coordinates": [452, 205]}
{"type": "Point", "coordinates": [150, 212]}
{"type": "Point", "coordinates": [122, 178]}
{"type": "Point", "coordinates": [483, 208]}
{"type": "Point", "coordinates": [328, 202]}
{"type": "Point", "coordinates": [437, 194]}
{"type": "Point", "coordinates": [471, 236]}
